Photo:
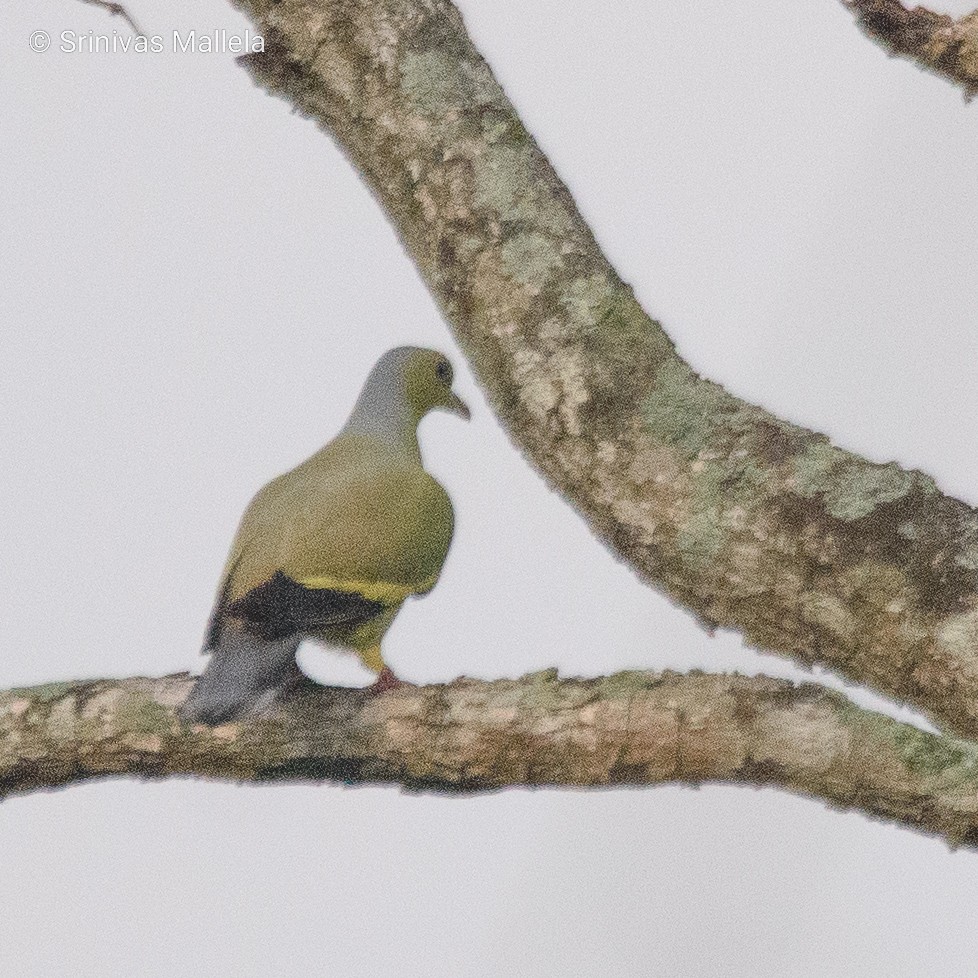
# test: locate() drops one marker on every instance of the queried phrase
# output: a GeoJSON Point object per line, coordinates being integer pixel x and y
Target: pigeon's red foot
{"type": "Point", "coordinates": [386, 680]}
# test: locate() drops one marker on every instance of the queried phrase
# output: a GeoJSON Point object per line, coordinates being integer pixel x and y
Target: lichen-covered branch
{"type": "Point", "coordinates": [630, 728]}
{"type": "Point", "coordinates": [937, 42]}
{"type": "Point", "coordinates": [755, 524]}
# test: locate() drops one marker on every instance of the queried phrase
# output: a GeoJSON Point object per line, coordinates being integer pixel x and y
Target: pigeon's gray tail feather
{"type": "Point", "coordinates": [244, 676]}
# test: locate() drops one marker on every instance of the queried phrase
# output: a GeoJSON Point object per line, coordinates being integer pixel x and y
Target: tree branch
{"type": "Point", "coordinates": [754, 523]}
{"type": "Point", "coordinates": [937, 42]}
{"type": "Point", "coordinates": [630, 728]}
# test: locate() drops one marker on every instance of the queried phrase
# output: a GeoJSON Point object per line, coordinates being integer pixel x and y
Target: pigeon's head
{"type": "Point", "coordinates": [427, 381]}
{"type": "Point", "coordinates": [404, 385]}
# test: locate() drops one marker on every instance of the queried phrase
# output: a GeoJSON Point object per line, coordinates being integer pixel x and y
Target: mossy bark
{"type": "Point", "coordinates": [753, 523]}
{"type": "Point", "coordinates": [627, 729]}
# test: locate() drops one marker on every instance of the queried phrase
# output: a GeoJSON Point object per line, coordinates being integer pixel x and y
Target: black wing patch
{"type": "Point", "coordinates": [281, 607]}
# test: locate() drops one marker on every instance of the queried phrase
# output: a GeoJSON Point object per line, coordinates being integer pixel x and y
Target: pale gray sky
{"type": "Point", "coordinates": [195, 283]}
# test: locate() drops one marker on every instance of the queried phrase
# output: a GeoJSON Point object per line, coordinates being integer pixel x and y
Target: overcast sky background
{"type": "Point", "coordinates": [194, 284]}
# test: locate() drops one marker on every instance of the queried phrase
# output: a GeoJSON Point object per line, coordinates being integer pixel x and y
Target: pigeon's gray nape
{"type": "Point", "coordinates": [382, 409]}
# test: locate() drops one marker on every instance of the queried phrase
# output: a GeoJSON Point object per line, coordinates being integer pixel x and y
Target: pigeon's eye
{"type": "Point", "coordinates": [444, 371]}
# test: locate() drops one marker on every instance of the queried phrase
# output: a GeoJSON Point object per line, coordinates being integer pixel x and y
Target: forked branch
{"type": "Point", "coordinates": [755, 524]}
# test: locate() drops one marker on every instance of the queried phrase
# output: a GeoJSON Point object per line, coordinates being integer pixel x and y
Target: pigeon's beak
{"type": "Point", "coordinates": [456, 405]}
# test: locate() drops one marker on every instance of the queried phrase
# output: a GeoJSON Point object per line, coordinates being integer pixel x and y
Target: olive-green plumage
{"type": "Point", "coordinates": [334, 547]}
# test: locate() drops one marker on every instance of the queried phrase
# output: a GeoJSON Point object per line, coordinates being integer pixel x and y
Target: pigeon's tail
{"type": "Point", "coordinates": [245, 675]}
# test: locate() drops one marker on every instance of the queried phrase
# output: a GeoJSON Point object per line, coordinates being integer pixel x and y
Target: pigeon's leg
{"type": "Point", "coordinates": [386, 679]}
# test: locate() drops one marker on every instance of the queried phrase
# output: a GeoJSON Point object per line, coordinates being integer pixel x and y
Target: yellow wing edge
{"type": "Point", "coordinates": [386, 592]}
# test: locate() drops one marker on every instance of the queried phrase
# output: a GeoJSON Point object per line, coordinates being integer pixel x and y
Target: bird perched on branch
{"type": "Point", "coordinates": [333, 548]}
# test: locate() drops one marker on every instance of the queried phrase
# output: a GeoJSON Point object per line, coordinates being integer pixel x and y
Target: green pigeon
{"type": "Point", "coordinates": [333, 548]}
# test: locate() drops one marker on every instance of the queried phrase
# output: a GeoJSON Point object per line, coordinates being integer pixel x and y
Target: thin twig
{"type": "Point", "coordinates": [118, 10]}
